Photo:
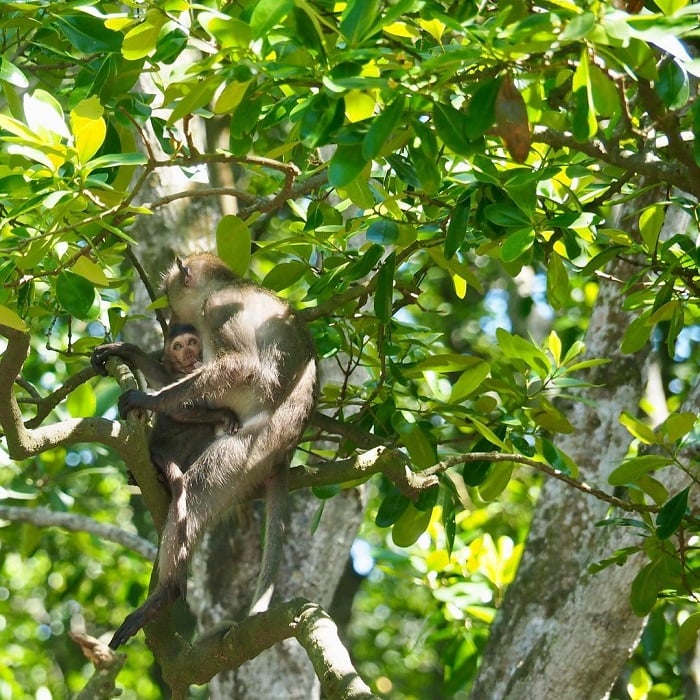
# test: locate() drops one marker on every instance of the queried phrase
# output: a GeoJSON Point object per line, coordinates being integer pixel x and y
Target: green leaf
{"type": "Point", "coordinates": [650, 222]}
{"type": "Point", "coordinates": [423, 152]}
{"type": "Point", "coordinates": [644, 589]}
{"type": "Point", "coordinates": [506, 213]}
{"type": "Point", "coordinates": [230, 97]}
{"type": "Point", "coordinates": [391, 508]}
{"type": "Point", "coordinates": [634, 468]}
{"type": "Point", "coordinates": [81, 401]}
{"type": "Point", "coordinates": [671, 515]}
{"type": "Point", "coordinates": [636, 335]}
{"type": "Point", "coordinates": [638, 429]}
{"type": "Point", "coordinates": [357, 19]}
{"type": "Point", "coordinates": [678, 425]}
{"type": "Point", "coordinates": [86, 33]}
{"type": "Point", "coordinates": [10, 319]}
{"type": "Point", "coordinates": [481, 110]}
{"type": "Point", "coordinates": [233, 242]}
{"type": "Point", "coordinates": [382, 127]}
{"type": "Point", "coordinates": [345, 165]}
{"type": "Point", "coordinates": [284, 275]}
{"type": "Point", "coordinates": [420, 449]}
{"type": "Point", "coordinates": [457, 227]}
{"type": "Point", "coordinates": [604, 93]}
{"type": "Point", "coordinates": [75, 294]}
{"type": "Point", "coordinates": [383, 231]}
{"type": "Point", "coordinates": [115, 160]}
{"type": "Point", "coordinates": [557, 282]}
{"type": "Point", "coordinates": [496, 481]}
{"type": "Point", "coordinates": [140, 40]}
{"type": "Point", "coordinates": [470, 381]}
{"type": "Point", "coordinates": [383, 296]}
{"type": "Point", "coordinates": [558, 458]}
{"type": "Point", "coordinates": [410, 526]}
{"type": "Point", "coordinates": [688, 633]}
{"type": "Point", "coordinates": [517, 244]}
{"type": "Point", "coordinates": [673, 85]}
{"type": "Point", "coordinates": [584, 124]}
{"type": "Point", "coordinates": [90, 271]}
{"type": "Point", "coordinates": [321, 116]}
{"type": "Point", "coordinates": [11, 74]}
{"type": "Point", "coordinates": [515, 347]}
{"type": "Point", "coordinates": [452, 126]}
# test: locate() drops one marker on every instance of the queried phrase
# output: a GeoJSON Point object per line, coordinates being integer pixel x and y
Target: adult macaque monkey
{"type": "Point", "coordinates": [260, 363]}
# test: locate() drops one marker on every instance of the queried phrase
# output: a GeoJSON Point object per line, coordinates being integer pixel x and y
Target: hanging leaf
{"type": "Point", "coordinates": [481, 110]}
{"type": "Point", "coordinates": [75, 294]}
{"type": "Point", "coordinates": [382, 127]}
{"type": "Point", "coordinates": [410, 526]}
{"type": "Point", "coordinates": [671, 515]}
{"type": "Point", "coordinates": [233, 242]}
{"type": "Point", "coordinates": [391, 508]}
{"type": "Point", "coordinates": [457, 227]}
{"type": "Point", "coordinates": [451, 127]}
{"type": "Point", "coordinates": [512, 123]}
{"type": "Point", "coordinates": [345, 165]}
{"type": "Point", "coordinates": [644, 589]}
{"type": "Point", "coordinates": [383, 296]}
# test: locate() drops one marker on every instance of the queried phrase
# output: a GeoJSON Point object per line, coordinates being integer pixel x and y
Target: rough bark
{"type": "Point", "coordinates": [561, 631]}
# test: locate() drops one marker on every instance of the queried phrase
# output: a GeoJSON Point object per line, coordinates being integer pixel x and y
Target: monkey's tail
{"type": "Point", "coordinates": [276, 494]}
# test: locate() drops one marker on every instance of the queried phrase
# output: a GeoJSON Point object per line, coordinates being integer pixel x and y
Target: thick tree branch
{"type": "Point", "coordinates": [229, 645]}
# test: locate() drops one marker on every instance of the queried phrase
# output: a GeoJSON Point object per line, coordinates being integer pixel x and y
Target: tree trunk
{"type": "Point", "coordinates": [561, 631]}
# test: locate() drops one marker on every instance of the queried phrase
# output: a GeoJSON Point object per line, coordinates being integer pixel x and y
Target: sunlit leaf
{"type": "Point", "coordinates": [10, 318]}
{"type": "Point", "coordinates": [638, 429]}
{"type": "Point", "coordinates": [81, 401]}
{"type": "Point", "coordinates": [635, 467]}
{"type": "Point", "coordinates": [233, 241]}
{"type": "Point", "coordinates": [88, 127]}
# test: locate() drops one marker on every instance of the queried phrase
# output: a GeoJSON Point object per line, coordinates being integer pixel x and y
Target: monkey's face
{"type": "Point", "coordinates": [183, 354]}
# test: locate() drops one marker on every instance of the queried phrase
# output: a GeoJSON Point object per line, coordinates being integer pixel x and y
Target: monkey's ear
{"type": "Point", "coordinates": [185, 271]}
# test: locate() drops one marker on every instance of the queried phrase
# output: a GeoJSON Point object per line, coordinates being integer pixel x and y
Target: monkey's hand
{"type": "Point", "coordinates": [229, 422]}
{"type": "Point", "coordinates": [133, 399]}
{"type": "Point", "coordinates": [102, 353]}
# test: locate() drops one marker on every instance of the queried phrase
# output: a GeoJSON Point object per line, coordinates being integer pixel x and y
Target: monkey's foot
{"type": "Point", "coordinates": [131, 625]}
{"type": "Point", "coordinates": [160, 599]}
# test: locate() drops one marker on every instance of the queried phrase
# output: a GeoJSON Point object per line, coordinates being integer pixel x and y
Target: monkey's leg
{"type": "Point", "coordinates": [169, 590]}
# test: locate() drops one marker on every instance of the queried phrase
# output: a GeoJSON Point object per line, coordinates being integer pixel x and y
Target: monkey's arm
{"type": "Point", "coordinates": [231, 381]}
{"type": "Point", "coordinates": [201, 413]}
{"type": "Point", "coordinates": [137, 359]}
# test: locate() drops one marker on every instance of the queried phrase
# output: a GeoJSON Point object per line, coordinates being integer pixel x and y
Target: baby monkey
{"type": "Point", "coordinates": [179, 436]}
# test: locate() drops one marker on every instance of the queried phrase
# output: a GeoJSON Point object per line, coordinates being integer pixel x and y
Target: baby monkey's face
{"type": "Point", "coordinates": [183, 354]}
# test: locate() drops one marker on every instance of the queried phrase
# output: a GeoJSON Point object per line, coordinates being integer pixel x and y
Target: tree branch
{"type": "Point", "coordinates": [647, 164]}
{"type": "Point", "coordinates": [229, 645]}
{"type": "Point", "coordinates": [43, 517]}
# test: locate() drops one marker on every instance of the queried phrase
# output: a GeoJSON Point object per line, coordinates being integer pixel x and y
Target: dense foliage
{"type": "Point", "coordinates": [435, 183]}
